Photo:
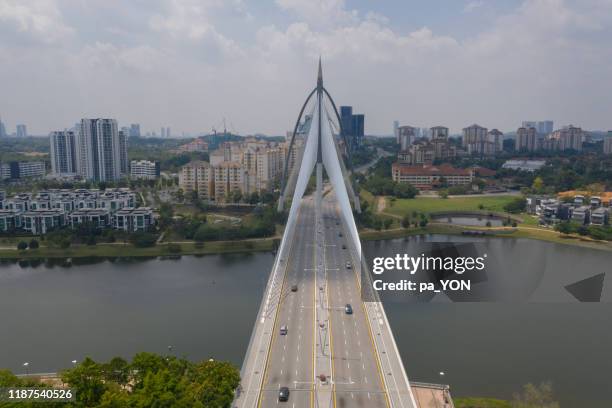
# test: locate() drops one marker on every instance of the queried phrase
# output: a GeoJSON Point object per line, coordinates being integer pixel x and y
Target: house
{"type": "Point", "coordinates": [581, 214]}
{"type": "Point", "coordinates": [600, 216]}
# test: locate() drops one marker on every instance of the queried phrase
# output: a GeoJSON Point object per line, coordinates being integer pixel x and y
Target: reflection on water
{"type": "Point", "coordinates": [55, 311]}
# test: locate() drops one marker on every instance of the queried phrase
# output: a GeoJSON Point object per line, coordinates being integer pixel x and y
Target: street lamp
{"type": "Point", "coordinates": [74, 362]}
{"type": "Point", "coordinates": [26, 365]}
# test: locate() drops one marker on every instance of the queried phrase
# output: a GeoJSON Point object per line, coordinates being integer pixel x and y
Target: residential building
{"type": "Point", "coordinates": [426, 177]}
{"type": "Point", "coordinates": [96, 217]}
{"type": "Point", "coordinates": [425, 151]}
{"type": "Point", "coordinates": [396, 131]}
{"type": "Point", "coordinates": [406, 137]}
{"type": "Point", "coordinates": [581, 214]}
{"type": "Point", "coordinates": [568, 138]}
{"type": "Point", "coordinates": [41, 221]}
{"type": "Point", "coordinates": [545, 127]}
{"type": "Point", "coordinates": [133, 219]}
{"type": "Point", "coordinates": [495, 140]}
{"type": "Point", "coordinates": [144, 170]}
{"type": "Point", "coordinates": [526, 139]}
{"type": "Point", "coordinates": [9, 221]}
{"type": "Point", "coordinates": [600, 216]}
{"type": "Point", "coordinates": [41, 212]}
{"type": "Point", "coordinates": [607, 144]}
{"type": "Point", "coordinates": [134, 130]}
{"type": "Point", "coordinates": [198, 145]}
{"type": "Point", "coordinates": [63, 152]}
{"type": "Point", "coordinates": [101, 150]}
{"type": "Point", "coordinates": [23, 169]}
{"type": "Point", "coordinates": [478, 141]}
{"type": "Point", "coordinates": [197, 176]}
{"type": "Point", "coordinates": [2, 129]}
{"type": "Point", "coordinates": [229, 178]}
{"type": "Point", "coordinates": [21, 131]}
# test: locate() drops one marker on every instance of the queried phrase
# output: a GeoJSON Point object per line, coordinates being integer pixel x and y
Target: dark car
{"type": "Point", "coordinates": [294, 288]}
{"type": "Point", "coordinates": [283, 394]}
{"type": "Point", "coordinates": [340, 234]}
{"type": "Point", "coordinates": [348, 309]}
{"type": "Point", "coordinates": [343, 246]}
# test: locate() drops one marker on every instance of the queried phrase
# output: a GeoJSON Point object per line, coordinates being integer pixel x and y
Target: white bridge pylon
{"type": "Point", "coordinates": [321, 148]}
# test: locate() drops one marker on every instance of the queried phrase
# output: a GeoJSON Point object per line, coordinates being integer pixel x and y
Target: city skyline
{"type": "Point", "coordinates": [190, 64]}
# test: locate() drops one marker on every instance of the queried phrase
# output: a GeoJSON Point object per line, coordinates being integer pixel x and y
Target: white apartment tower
{"type": "Point", "coordinates": [101, 150]}
{"type": "Point", "coordinates": [63, 152]}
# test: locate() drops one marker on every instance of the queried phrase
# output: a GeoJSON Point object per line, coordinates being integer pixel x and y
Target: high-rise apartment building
{"type": "Point", "coordinates": [198, 177]}
{"type": "Point", "coordinates": [229, 178]}
{"type": "Point", "coordinates": [545, 127]}
{"type": "Point", "coordinates": [406, 137]}
{"type": "Point", "coordinates": [2, 129]}
{"type": "Point", "coordinates": [63, 152]}
{"type": "Point", "coordinates": [135, 130]}
{"type": "Point", "coordinates": [607, 144]}
{"type": "Point", "coordinates": [526, 140]}
{"type": "Point", "coordinates": [22, 131]}
{"type": "Point", "coordinates": [101, 150]}
{"type": "Point", "coordinates": [568, 138]}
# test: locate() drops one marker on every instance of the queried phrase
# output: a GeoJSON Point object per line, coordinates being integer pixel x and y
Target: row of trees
{"type": "Point", "coordinates": [603, 233]}
{"type": "Point", "coordinates": [149, 380]}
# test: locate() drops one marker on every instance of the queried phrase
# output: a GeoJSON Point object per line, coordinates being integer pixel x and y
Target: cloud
{"type": "Point", "coordinates": [472, 5]}
{"type": "Point", "coordinates": [190, 63]}
{"type": "Point", "coordinates": [36, 20]}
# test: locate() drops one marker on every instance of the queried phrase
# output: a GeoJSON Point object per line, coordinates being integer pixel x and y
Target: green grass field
{"type": "Point", "coordinates": [428, 205]}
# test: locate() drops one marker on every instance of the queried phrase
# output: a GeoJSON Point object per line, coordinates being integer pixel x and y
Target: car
{"type": "Point", "coordinates": [348, 309]}
{"type": "Point", "coordinates": [340, 234]}
{"type": "Point", "coordinates": [283, 394]}
{"type": "Point", "coordinates": [283, 330]}
{"type": "Point", "coordinates": [343, 246]}
{"type": "Point", "coordinates": [337, 223]}
{"type": "Point", "coordinates": [348, 265]}
{"type": "Point", "coordinates": [294, 288]}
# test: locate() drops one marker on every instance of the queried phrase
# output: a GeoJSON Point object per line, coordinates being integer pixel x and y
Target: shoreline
{"type": "Point", "coordinates": [268, 244]}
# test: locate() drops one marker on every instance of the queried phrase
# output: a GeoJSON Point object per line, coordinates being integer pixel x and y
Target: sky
{"type": "Point", "coordinates": [189, 64]}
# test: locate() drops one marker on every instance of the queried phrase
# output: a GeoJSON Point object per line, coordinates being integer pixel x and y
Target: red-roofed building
{"type": "Point", "coordinates": [427, 177]}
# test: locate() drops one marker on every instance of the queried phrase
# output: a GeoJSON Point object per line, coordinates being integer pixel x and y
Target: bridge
{"type": "Point", "coordinates": [305, 337]}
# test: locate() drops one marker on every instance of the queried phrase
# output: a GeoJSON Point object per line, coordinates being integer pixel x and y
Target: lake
{"type": "Point", "coordinates": [206, 306]}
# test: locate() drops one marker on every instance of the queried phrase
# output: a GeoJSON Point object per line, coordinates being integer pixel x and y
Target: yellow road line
{"type": "Point", "coordinates": [365, 313]}
{"type": "Point", "coordinates": [278, 307]}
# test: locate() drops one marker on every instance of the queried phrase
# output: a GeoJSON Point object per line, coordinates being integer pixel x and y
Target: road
{"type": "Point", "coordinates": [352, 350]}
{"type": "Point", "coordinates": [290, 361]}
{"type": "Point", "coordinates": [356, 372]}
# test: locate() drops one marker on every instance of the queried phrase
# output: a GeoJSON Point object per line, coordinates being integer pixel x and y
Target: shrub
{"type": "Point", "coordinates": [33, 244]}
{"type": "Point", "coordinates": [22, 245]}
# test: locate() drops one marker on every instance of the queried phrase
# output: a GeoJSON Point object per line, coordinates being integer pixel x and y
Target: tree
{"type": "Point", "coordinates": [538, 185]}
{"type": "Point", "coordinates": [517, 205]}
{"type": "Point", "coordinates": [143, 239]}
{"type": "Point", "coordinates": [564, 227]}
{"type": "Point", "coordinates": [33, 244]}
{"type": "Point", "coordinates": [22, 245]}
{"type": "Point", "coordinates": [87, 381]}
{"type": "Point", "coordinates": [387, 223]}
{"type": "Point", "coordinates": [535, 396]}
{"type": "Point", "coordinates": [406, 221]}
